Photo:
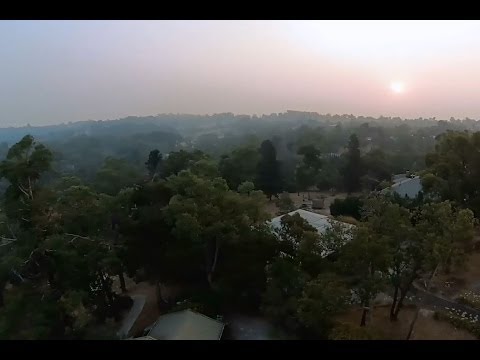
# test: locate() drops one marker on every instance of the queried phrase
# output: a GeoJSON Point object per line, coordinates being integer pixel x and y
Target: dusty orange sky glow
{"type": "Point", "coordinates": [60, 71]}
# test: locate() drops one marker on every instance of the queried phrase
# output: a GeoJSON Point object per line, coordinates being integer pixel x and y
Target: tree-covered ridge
{"type": "Point", "coordinates": [81, 147]}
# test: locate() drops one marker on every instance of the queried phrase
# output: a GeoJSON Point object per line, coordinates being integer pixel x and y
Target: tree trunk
{"type": "Point", "coordinates": [106, 290]}
{"type": "Point", "coordinates": [363, 322]}
{"type": "Point", "coordinates": [448, 266]}
{"type": "Point", "coordinates": [2, 289]}
{"type": "Point", "coordinates": [51, 279]}
{"type": "Point", "coordinates": [122, 282]}
{"type": "Point", "coordinates": [403, 294]}
{"type": "Point", "coordinates": [214, 265]}
{"type": "Point", "coordinates": [159, 296]}
{"type": "Point", "coordinates": [394, 304]}
{"type": "Point", "coordinates": [30, 190]}
{"type": "Point", "coordinates": [412, 325]}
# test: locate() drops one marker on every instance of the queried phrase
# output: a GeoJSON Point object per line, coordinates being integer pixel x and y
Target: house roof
{"type": "Point", "coordinates": [186, 325]}
{"type": "Point", "coordinates": [318, 221]}
{"type": "Point", "coordinates": [406, 187]}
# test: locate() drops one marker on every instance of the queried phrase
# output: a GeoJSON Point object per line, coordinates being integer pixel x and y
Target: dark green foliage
{"type": "Point", "coordinates": [377, 166]}
{"type": "Point", "coordinates": [329, 176]}
{"type": "Point", "coordinates": [454, 169]}
{"type": "Point", "coordinates": [268, 177]}
{"type": "Point", "coordinates": [239, 166]}
{"type": "Point", "coordinates": [350, 206]}
{"type": "Point", "coordinates": [153, 163]}
{"type": "Point", "coordinates": [26, 161]}
{"type": "Point", "coordinates": [115, 175]}
{"type": "Point", "coordinates": [307, 171]}
{"type": "Point", "coordinates": [298, 295]}
{"type": "Point", "coordinates": [26, 316]}
{"type": "Point", "coordinates": [285, 203]}
{"type": "Point", "coordinates": [353, 168]}
{"type": "Point", "coordinates": [180, 160]}
{"type": "Point", "coordinates": [285, 285]}
{"type": "Point", "coordinates": [408, 203]}
{"type": "Point", "coordinates": [76, 217]}
{"type": "Point", "coordinates": [322, 299]}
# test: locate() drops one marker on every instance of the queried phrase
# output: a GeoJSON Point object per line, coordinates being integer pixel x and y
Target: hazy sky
{"type": "Point", "coordinates": [60, 71]}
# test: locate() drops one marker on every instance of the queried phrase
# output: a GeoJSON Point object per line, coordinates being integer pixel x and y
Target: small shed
{"type": "Point", "coordinates": [318, 203]}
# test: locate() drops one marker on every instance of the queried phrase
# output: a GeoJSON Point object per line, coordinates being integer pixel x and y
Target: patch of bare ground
{"type": "Point", "coordinates": [426, 328]}
{"type": "Point", "coordinates": [460, 279]}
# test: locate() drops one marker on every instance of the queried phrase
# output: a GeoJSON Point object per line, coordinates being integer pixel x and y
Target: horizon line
{"type": "Point", "coordinates": [251, 115]}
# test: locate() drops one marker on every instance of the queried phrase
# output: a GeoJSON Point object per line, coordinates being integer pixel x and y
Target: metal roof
{"type": "Point", "coordinates": [186, 325]}
{"type": "Point", "coordinates": [318, 221]}
{"type": "Point", "coordinates": [406, 187]}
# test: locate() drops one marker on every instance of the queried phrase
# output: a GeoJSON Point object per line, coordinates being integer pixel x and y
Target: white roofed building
{"type": "Point", "coordinates": [320, 222]}
{"type": "Point", "coordinates": [405, 187]}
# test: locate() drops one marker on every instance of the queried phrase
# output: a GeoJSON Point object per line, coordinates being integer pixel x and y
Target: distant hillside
{"type": "Point", "coordinates": [197, 125]}
{"type": "Point", "coordinates": [81, 148]}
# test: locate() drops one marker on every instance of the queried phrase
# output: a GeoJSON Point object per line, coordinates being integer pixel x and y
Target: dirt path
{"type": "Point", "coordinates": [149, 312]}
{"type": "Point", "coordinates": [436, 302]}
{"type": "Point", "coordinates": [426, 328]}
{"type": "Point", "coordinates": [131, 317]}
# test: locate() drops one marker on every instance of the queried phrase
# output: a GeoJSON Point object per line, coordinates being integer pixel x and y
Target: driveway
{"type": "Point", "coordinates": [131, 317]}
{"type": "Point", "coordinates": [436, 302]}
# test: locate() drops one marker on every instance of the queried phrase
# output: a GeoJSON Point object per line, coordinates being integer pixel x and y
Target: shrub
{"type": "Point", "coordinates": [470, 299]}
{"type": "Point", "coordinates": [350, 207]}
{"type": "Point", "coordinates": [285, 203]}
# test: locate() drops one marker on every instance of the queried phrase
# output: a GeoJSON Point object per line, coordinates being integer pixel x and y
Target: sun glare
{"type": "Point", "coordinates": [397, 87]}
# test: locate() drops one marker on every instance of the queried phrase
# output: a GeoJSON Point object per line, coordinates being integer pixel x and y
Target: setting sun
{"type": "Point", "coordinates": [397, 87]}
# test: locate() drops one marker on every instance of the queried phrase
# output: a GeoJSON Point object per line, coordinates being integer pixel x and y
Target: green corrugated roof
{"type": "Point", "coordinates": [186, 325]}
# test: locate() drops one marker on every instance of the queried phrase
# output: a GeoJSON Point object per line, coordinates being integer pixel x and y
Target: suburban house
{"type": "Point", "coordinates": [405, 186]}
{"type": "Point", "coordinates": [318, 221]}
{"type": "Point", "coordinates": [185, 325]}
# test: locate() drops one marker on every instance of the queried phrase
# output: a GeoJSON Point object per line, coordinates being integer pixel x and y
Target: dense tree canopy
{"type": "Point", "coordinates": [353, 166]}
{"type": "Point", "coordinates": [268, 178]}
{"type": "Point", "coordinates": [453, 170]}
{"type": "Point", "coordinates": [183, 203]}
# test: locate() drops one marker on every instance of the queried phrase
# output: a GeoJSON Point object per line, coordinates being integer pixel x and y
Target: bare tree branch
{"type": "Point", "coordinates": [24, 191]}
